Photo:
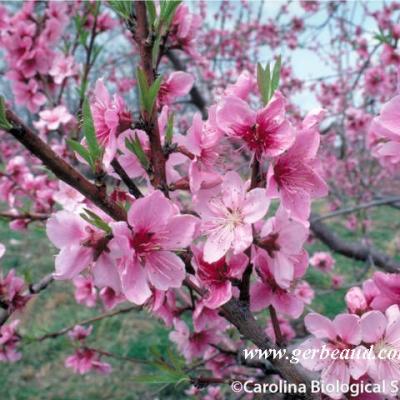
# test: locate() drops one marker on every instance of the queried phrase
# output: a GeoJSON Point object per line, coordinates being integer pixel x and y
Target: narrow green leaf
{"type": "Point", "coordinates": [82, 151]}
{"type": "Point", "coordinates": [169, 11]}
{"type": "Point", "coordinates": [122, 7]}
{"type": "Point", "coordinates": [143, 88]}
{"type": "Point", "coordinates": [152, 12]}
{"type": "Point", "coordinates": [95, 220]}
{"type": "Point", "coordinates": [156, 50]}
{"type": "Point", "coordinates": [4, 124]}
{"type": "Point", "coordinates": [89, 131]}
{"type": "Point", "coordinates": [170, 129]}
{"type": "Point", "coordinates": [153, 92]}
{"type": "Point", "coordinates": [136, 148]}
{"type": "Point", "coordinates": [276, 76]}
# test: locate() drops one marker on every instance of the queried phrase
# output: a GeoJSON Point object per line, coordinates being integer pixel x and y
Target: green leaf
{"type": "Point", "coordinates": [160, 379]}
{"type": "Point", "coordinates": [89, 131]}
{"type": "Point", "coordinates": [263, 81]}
{"type": "Point", "coordinates": [95, 220]}
{"type": "Point", "coordinates": [152, 12]}
{"type": "Point", "coordinates": [156, 50]}
{"type": "Point", "coordinates": [143, 88]}
{"type": "Point", "coordinates": [136, 148]}
{"type": "Point", "coordinates": [4, 124]}
{"type": "Point", "coordinates": [267, 82]}
{"type": "Point", "coordinates": [170, 129]}
{"type": "Point", "coordinates": [169, 11]}
{"type": "Point", "coordinates": [276, 76]}
{"type": "Point", "coordinates": [153, 92]}
{"type": "Point", "coordinates": [82, 151]}
{"type": "Point", "coordinates": [122, 7]}
{"type": "Point", "coordinates": [147, 95]}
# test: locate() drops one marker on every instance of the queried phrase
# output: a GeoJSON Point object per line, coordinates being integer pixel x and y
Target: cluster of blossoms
{"type": "Point", "coordinates": [11, 299]}
{"type": "Point", "coordinates": [208, 233]}
{"type": "Point", "coordinates": [85, 359]}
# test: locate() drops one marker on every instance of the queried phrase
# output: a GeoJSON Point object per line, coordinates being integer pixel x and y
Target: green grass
{"type": "Point", "coordinates": [41, 374]}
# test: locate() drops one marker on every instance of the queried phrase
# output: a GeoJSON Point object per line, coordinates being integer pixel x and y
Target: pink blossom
{"type": "Point", "coordinates": [79, 332]}
{"type": "Point", "coordinates": [75, 238]}
{"type": "Point", "coordinates": [85, 292]}
{"type": "Point", "coordinates": [322, 261]}
{"type": "Point", "coordinates": [344, 332]}
{"type": "Point", "coordinates": [293, 177]}
{"type": "Point", "coordinates": [85, 360]}
{"type": "Point", "coordinates": [266, 132]}
{"type": "Point", "coordinates": [63, 67]}
{"type": "Point", "coordinates": [9, 339]}
{"type": "Point", "coordinates": [110, 118]}
{"type": "Point", "coordinates": [184, 28]}
{"type": "Point", "coordinates": [53, 119]}
{"type": "Point", "coordinates": [202, 141]}
{"type": "Point", "coordinates": [2, 250]}
{"type": "Point", "coordinates": [178, 84]}
{"type": "Point", "coordinates": [216, 276]}
{"type": "Point", "coordinates": [144, 248]}
{"type": "Point", "coordinates": [388, 286]}
{"type": "Point", "coordinates": [356, 301]}
{"type": "Point", "coordinates": [12, 291]}
{"type": "Point", "coordinates": [69, 198]}
{"type": "Point", "coordinates": [304, 292]}
{"type": "Point", "coordinates": [266, 291]}
{"type": "Point", "coordinates": [383, 330]}
{"type": "Point", "coordinates": [337, 281]}
{"type": "Point", "coordinates": [192, 344]}
{"type": "Point", "coordinates": [163, 305]}
{"type": "Point", "coordinates": [281, 240]}
{"type": "Point", "coordinates": [28, 94]}
{"type": "Point", "coordinates": [110, 297]}
{"type": "Point", "coordinates": [384, 132]}
{"type": "Point", "coordinates": [244, 85]}
{"type": "Point", "coordinates": [228, 215]}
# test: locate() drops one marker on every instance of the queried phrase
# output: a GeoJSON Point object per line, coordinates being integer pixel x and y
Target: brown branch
{"type": "Point", "coordinates": [62, 169]}
{"type": "Point", "coordinates": [133, 189]}
{"type": "Point", "coordinates": [30, 216]}
{"type": "Point", "coordinates": [242, 318]}
{"type": "Point", "coordinates": [145, 45]}
{"type": "Point", "coordinates": [350, 210]}
{"type": "Point", "coordinates": [355, 250]}
{"type": "Point", "coordinates": [65, 330]}
{"type": "Point", "coordinates": [33, 289]}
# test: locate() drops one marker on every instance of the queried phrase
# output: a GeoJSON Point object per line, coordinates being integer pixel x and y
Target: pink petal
{"type": "Point", "coordinates": [260, 296]}
{"type": "Point", "coordinates": [217, 244]}
{"type": "Point", "coordinates": [165, 270]}
{"type": "Point", "coordinates": [320, 326]}
{"type": "Point", "coordinates": [180, 232]}
{"type": "Point", "coordinates": [373, 325]}
{"type": "Point", "coordinates": [347, 326]}
{"type": "Point", "coordinates": [180, 83]}
{"type": "Point", "coordinates": [243, 238]}
{"type": "Point", "coordinates": [218, 295]}
{"type": "Point", "coordinates": [134, 282]}
{"type": "Point", "coordinates": [288, 303]}
{"type": "Point", "coordinates": [105, 273]}
{"type": "Point", "coordinates": [234, 114]}
{"type": "Point", "coordinates": [233, 190]}
{"type": "Point", "coordinates": [71, 261]}
{"type": "Point", "coordinates": [151, 212]}
{"type": "Point", "coordinates": [64, 229]}
{"type": "Point", "coordinates": [255, 206]}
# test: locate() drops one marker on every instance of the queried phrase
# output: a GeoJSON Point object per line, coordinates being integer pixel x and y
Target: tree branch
{"type": "Point", "coordinates": [62, 169]}
{"type": "Point", "coordinates": [355, 250]}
